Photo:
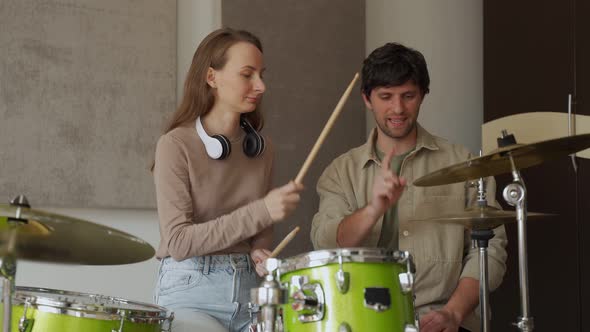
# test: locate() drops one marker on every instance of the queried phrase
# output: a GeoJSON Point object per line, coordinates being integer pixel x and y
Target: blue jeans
{"type": "Point", "coordinates": [207, 293]}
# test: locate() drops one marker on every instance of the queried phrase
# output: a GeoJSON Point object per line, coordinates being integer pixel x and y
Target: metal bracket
{"type": "Point", "coordinates": [308, 298]}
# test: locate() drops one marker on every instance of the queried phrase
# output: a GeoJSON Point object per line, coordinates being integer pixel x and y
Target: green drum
{"type": "Point", "coordinates": [48, 310]}
{"type": "Point", "coordinates": [348, 290]}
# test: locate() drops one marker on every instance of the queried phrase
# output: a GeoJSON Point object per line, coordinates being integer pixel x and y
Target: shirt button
{"type": "Point", "coordinates": [406, 233]}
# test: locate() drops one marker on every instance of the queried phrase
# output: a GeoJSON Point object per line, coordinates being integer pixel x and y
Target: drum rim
{"type": "Point", "coordinates": [349, 255]}
{"type": "Point", "coordinates": [100, 310]}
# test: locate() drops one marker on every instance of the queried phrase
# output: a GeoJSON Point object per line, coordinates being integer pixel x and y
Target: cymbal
{"type": "Point", "coordinates": [484, 217]}
{"type": "Point", "coordinates": [48, 237]}
{"type": "Point", "coordinates": [498, 161]}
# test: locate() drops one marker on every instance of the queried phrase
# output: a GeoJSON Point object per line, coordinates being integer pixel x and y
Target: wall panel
{"type": "Point", "coordinates": [311, 50]}
{"type": "Point", "coordinates": [84, 88]}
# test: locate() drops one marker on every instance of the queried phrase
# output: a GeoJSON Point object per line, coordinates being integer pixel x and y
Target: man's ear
{"type": "Point", "coordinates": [211, 78]}
{"type": "Point", "coordinates": [367, 101]}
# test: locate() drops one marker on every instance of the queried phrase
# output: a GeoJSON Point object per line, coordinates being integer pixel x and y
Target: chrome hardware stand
{"type": "Point", "coordinates": [268, 296]}
{"type": "Point", "coordinates": [7, 271]}
{"type": "Point", "coordinates": [515, 195]}
{"type": "Point", "coordinates": [481, 238]}
{"type": "Point", "coordinates": [8, 262]}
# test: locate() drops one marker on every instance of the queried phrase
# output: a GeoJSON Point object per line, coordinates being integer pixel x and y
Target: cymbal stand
{"type": "Point", "coordinates": [8, 262]}
{"type": "Point", "coordinates": [7, 271]}
{"type": "Point", "coordinates": [482, 237]}
{"type": "Point", "coordinates": [515, 195]}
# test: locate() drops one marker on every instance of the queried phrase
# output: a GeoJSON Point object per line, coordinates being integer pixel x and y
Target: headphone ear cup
{"type": "Point", "coordinates": [225, 146]}
{"type": "Point", "coordinates": [253, 145]}
{"type": "Point", "coordinates": [217, 146]}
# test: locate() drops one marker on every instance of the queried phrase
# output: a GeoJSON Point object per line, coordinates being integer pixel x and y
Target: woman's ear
{"type": "Point", "coordinates": [211, 78]}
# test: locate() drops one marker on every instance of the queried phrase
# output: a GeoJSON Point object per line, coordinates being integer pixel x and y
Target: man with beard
{"type": "Point", "coordinates": [367, 200]}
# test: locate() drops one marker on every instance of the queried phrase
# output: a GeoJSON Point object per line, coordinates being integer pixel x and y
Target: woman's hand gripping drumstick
{"type": "Point", "coordinates": [261, 255]}
{"type": "Point", "coordinates": [325, 131]}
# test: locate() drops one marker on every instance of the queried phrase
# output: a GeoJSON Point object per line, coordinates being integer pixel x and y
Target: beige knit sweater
{"type": "Point", "coordinates": [208, 206]}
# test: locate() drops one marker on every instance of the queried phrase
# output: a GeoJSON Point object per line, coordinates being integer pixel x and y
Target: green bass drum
{"type": "Point", "coordinates": [49, 310]}
{"type": "Point", "coordinates": [348, 290]}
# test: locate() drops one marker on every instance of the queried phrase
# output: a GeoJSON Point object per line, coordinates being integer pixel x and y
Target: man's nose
{"type": "Point", "coordinates": [397, 105]}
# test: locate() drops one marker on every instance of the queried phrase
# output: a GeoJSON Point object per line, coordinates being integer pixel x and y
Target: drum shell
{"type": "Point", "coordinates": [50, 310]}
{"type": "Point", "coordinates": [378, 271]}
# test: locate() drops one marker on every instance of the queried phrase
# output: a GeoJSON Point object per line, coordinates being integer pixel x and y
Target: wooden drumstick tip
{"type": "Point", "coordinates": [284, 242]}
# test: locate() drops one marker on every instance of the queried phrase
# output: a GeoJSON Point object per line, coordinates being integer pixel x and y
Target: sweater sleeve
{"type": "Point", "coordinates": [184, 236]}
{"type": "Point", "coordinates": [264, 239]}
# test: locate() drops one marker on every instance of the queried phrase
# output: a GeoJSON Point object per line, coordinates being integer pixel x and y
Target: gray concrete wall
{"type": "Point", "coordinates": [84, 88]}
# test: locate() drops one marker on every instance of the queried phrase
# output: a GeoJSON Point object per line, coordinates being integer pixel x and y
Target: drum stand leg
{"type": "Point", "coordinates": [482, 237]}
{"type": "Point", "coordinates": [515, 195]}
{"type": "Point", "coordinates": [7, 272]}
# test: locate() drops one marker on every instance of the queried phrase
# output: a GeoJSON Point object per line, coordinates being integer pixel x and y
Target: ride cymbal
{"type": "Point", "coordinates": [498, 161]}
{"type": "Point", "coordinates": [47, 237]}
{"type": "Point", "coordinates": [483, 217]}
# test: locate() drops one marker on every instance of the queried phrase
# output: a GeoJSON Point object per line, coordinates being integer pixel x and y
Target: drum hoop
{"type": "Point", "coordinates": [330, 256]}
{"type": "Point", "coordinates": [99, 310]}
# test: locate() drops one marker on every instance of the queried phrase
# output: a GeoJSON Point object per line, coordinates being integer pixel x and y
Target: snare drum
{"type": "Point", "coordinates": [356, 289]}
{"type": "Point", "coordinates": [39, 309]}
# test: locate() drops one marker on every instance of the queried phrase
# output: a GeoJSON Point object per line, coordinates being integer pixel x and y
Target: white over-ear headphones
{"type": "Point", "coordinates": [219, 147]}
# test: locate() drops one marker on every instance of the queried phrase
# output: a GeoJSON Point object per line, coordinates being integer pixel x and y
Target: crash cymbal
{"type": "Point", "coordinates": [484, 217]}
{"type": "Point", "coordinates": [498, 161]}
{"type": "Point", "coordinates": [47, 237]}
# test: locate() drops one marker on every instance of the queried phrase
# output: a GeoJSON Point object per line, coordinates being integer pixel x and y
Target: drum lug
{"type": "Point", "coordinates": [344, 327]}
{"type": "Point", "coordinates": [406, 282]}
{"type": "Point", "coordinates": [308, 298]}
{"type": "Point", "coordinates": [342, 278]}
{"type": "Point", "coordinates": [406, 279]}
{"type": "Point", "coordinates": [342, 281]}
{"type": "Point", "coordinates": [25, 324]}
{"type": "Point", "coordinates": [121, 325]}
{"type": "Point", "coordinates": [410, 328]}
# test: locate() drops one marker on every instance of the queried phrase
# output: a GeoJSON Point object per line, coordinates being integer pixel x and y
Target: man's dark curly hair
{"type": "Point", "coordinates": [394, 64]}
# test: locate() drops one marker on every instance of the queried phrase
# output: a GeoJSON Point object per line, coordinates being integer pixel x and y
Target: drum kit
{"type": "Point", "coordinates": [40, 236]}
{"type": "Point", "coordinates": [345, 290]}
{"type": "Point", "coordinates": [361, 289]}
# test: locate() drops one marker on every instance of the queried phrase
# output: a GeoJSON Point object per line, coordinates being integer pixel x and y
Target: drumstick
{"type": "Point", "coordinates": [325, 131]}
{"type": "Point", "coordinates": [284, 243]}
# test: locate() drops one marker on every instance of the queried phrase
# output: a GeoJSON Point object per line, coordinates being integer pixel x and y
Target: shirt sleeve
{"type": "Point", "coordinates": [184, 236]}
{"type": "Point", "coordinates": [496, 248]}
{"type": "Point", "coordinates": [333, 208]}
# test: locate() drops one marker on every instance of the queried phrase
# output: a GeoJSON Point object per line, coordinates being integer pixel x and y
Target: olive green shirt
{"type": "Point", "coordinates": [390, 229]}
{"type": "Point", "coordinates": [443, 253]}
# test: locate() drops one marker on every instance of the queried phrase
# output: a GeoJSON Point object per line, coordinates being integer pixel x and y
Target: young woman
{"type": "Point", "coordinates": [212, 174]}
